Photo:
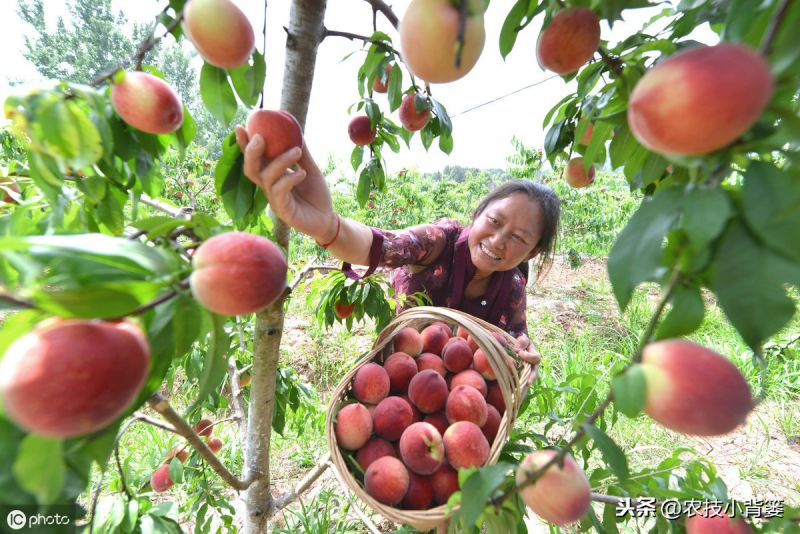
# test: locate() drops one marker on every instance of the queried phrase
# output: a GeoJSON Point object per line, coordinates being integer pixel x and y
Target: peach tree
{"type": "Point", "coordinates": [105, 269]}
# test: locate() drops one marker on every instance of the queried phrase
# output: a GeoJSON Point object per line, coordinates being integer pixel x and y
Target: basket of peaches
{"type": "Point", "coordinates": [438, 392]}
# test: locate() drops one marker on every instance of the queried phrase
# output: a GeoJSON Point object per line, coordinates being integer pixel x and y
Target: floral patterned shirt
{"type": "Point", "coordinates": [434, 259]}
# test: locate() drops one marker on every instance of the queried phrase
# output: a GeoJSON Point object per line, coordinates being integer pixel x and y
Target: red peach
{"type": "Point", "coordinates": [408, 340]}
{"type": "Point", "coordinates": [569, 41]}
{"type": "Point", "coordinates": [382, 85]}
{"type": "Point", "coordinates": [433, 338]}
{"type": "Point", "coordinates": [371, 383]}
{"type": "Point", "coordinates": [391, 417]}
{"type": "Point", "coordinates": [353, 426]}
{"type": "Point", "coordinates": [372, 450]}
{"type": "Point", "coordinates": [7, 185]}
{"type": "Point", "coordinates": [411, 117]}
{"type": "Point", "coordinates": [237, 273]}
{"type": "Point", "coordinates": [387, 480]}
{"type": "Point", "coordinates": [469, 377]}
{"type": "Point", "coordinates": [279, 129]}
{"type": "Point", "coordinates": [438, 420]}
{"type": "Point", "coordinates": [494, 396]}
{"type": "Point", "coordinates": [160, 480]}
{"type": "Point", "coordinates": [707, 522]}
{"type": "Point", "coordinates": [576, 174]}
{"type": "Point", "coordinates": [421, 448]}
{"type": "Point", "coordinates": [181, 452]}
{"type": "Point", "coordinates": [482, 365]}
{"type": "Point", "coordinates": [401, 368]}
{"type": "Point", "coordinates": [465, 403]}
{"type": "Point", "coordinates": [445, 482]}
{"type": "Point", "coordinates": [429, 360]}
{"type": "Point", "coordinates": [420, 492]}
{"type": "Point", "coordinates": [492, 425]}
{"type": "Point", "coordinates": [215, 444]}
{"type": "Point", "coordinates": [562, 495]}
{"type": "Point", "coordinates": [204, 427]}
{"type": "Point", "coordinates": [465, 445]}
{"type": "Point", "coordinates": [220, 31]}
{"type": "Point", "coordinates": [456, 355]}
{"type": "Point", "coordinates": [428, 391]}
{"type": "Point", "coordinates": [361, 131]}
{"type": "Point", "coordinates": [343, 310]}
{"type": "Point", "coordinates": [147, 103]}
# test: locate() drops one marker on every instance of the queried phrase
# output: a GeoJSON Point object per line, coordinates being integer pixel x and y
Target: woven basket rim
{"type": "Point", "coordinates": [508, 380]}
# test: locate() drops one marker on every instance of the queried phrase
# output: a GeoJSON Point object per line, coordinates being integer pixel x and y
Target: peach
{"type": "Point", "coordinates": [465, 403]}
{"type": "Point", "coordinates": [69, 377]}
{"type": "Point", "coordinates": [569, 41]}
{"type": "Point", "coordinates": [417, 417]}
{"type": "Point", "coordinates": [401, 368]}
{"type": "Point", "coordinates": [421, 448]}
{"type": "Point", "coordinates": [372, 450]}
{"type": "Point", "coordinates": [472, 378]}
{"type": "Point", "coordinates": [465, 445]}
{"type": "Point", "coordinates": [492, 425]}
{"type": "Point", "coordinates": [420, 492]}
{"type": "Point", "coordinates": [445, 482]}
{"type": "Point", "coordinates": [219, 31]}
{"type": "Point", "coordinates": [462, 332]}
{"type": "Point", "coordinates": [414, 115]}
{"type": "Point", "coordinates": [408, 340]}
{"type": "Point", "coordinates": [381, 83]}
{"type": "Point", "coordinates": [576, 174]}
{"type": "Point", "coordinates": [434, 337]}
{"type": "Point", "coordinates": [353, 426]}
{"type": "Point", "coordinates": [391, 417]}
{"type": "Point", "coordinates": [160, 480]}
{"type": "Point", "coordinates": [438, 420]}
{"type": "Point", "coordinates": [371, 383]}
{"type": "Point", "coordinates": [706, 522]}
{"type": "Point", "coordinates": [562, 495]}
{"type": "Point", "coordinates": [494, 396]}
{"type": "Point", "coordinates": [692, 389]}
{"type": "Point", "coordinates": [482, 365]}
{"type": "Point", "coordinates": [237, 273]}
{"type": "Point", "coordinates": [428, 391]}
{"type": "Point", "coordinates": [7, 185]}
{"type": "Point", "coordinates": [429, 39]}
{"type": "Point", "coordinates": [279, 129]}
{"type": "Point", "coordinates": [456, 354]}
{"type": "Point", "coordinates": [429, 360]}
{"type": "Point", "coordinates": [587, 135]}
{"type": "Point", "coordinates": [472, 343]}
{"type": "Point", "coordinates": [361, 130]}
{"type": "Point", "coordinates": [181, 452]}
{"type": "Point", "coordinates": [147, 103]}
{"type": "Point", "coordinates": [387, 480]}
{"type": "Point", "coordinates": [215, 444]}
{"type": "Point", "coordinates": [245, 380]}
{"type": "Point", "coordinates": [343, 310]}
{"type": "Point", "coordinates": [204, 427]}
{"type": "Point", "coordinates": [700, 99]}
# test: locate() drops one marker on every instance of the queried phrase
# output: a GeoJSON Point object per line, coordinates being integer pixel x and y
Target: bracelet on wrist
{"type": "Point", "coordinates": [335, 235]}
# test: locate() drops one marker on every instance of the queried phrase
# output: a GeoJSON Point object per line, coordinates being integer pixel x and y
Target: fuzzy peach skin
{"type": "Point", "coordinates": [147, 103]}
{"type": "Point", "coordinates": [562, 495]}
{"type": "Point", "coordinates": [569, 41]}
{"type": "Point", "coordinates": [220, 32]}
{"type": "Point", "coordinates": [692, 389]}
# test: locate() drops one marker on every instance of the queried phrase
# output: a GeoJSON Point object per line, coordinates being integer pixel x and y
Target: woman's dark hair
{"type": "Point", "coordinates": [551, 213]}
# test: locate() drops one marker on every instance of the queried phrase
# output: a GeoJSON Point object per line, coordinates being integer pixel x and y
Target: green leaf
{"type": "Point", "coordinates": [239, 195]}
{"type": "Point", "coordinates": [395, 87]}
{"type": "Point", "coordinates": [686, 314]}
{"type": "Point", "coordinates": [357, 156]}
{"type": "Point", "coordinates": [705, 212]}
{"type": "Point", "coordinates": [748, 279]}
{"type": "Point", "coordinates": [248, 80]}
{"type": "Point", "coordinates": [636, 254]}
{"type": "Point", "coordinates": [217, 94]}
{"type": "Point", "coordinates": [771, 207]}
{"type": "Point", "coordinates": [596, 151]}
{"type": "Point", "coordinates": [215, 364]}
{"type": "Point", "coordinates": [629, 390]}
{"type": "Point", "coordinates": [612, 454]}
{"type": "Point", "coordinates": [39, 468]}
{"type": "Point", "coordinates": [477, 489]}
{"type": "Point", "coordinates": [509, 31]}
{"type": "Point", "coordinates": [102, 301]}
{"type": "Point", "coordinates": [364, 186]}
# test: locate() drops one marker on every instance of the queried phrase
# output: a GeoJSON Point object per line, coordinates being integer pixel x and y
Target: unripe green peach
{"type": "Point", "coordinates": [692, 389]}
{"type": "Point", "coordinates": [562, 495]}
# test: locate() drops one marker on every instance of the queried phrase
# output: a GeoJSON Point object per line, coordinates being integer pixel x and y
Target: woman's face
{"type": "Point", "coordinates": [506, 233]}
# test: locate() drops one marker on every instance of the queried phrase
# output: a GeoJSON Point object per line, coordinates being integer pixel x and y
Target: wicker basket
{"type": "Point", "coordinates": [508, 380]}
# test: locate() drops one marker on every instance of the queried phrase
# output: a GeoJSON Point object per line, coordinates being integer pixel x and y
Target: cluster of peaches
{"type": "Point", "coordinates": [433, 407]}
{"type": "Point", "coordinates": [160, 480]}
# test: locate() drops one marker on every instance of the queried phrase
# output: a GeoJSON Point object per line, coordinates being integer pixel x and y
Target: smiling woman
{"type": "Point", "coordinates": [474, 268]}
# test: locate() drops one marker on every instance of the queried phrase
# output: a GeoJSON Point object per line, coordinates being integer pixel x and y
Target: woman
{"type": "Point", "coordinates": [473, 268]}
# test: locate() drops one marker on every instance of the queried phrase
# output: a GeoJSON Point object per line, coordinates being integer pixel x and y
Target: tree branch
{"type": "Point", "coordinates": [352, 36]}
{"type": "Point", "coordinates": [16, 302]}
{"type": "Point", "coordinates": [614, 63]}
{"type": "Point", "coordinates": [774, 27]}
{"type": "Point", "coordinates": [162, 406]}
{"type": "Point", "coordinates": [304, 484]}
{"type": "Point", "coordinates": [154, 422]}
{"type": "Point", "coordinates": [179, 213]}
{"type": "Point", "coordinates": [380, 5]}
{"type": "Point", "coordinates": [307, 269]}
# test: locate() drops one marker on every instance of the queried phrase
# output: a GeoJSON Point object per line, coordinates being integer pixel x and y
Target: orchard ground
{"type": "Point", "coordinates": [576, 324]}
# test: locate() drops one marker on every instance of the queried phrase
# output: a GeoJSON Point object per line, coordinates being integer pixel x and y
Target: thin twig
{"type": "Point", "coordinates": [774, 27]}
{"type": "Point", "coordinates": [178, 213]}
{"type": "Point", "coordinates": [19, 303]}
{"type": "Point", "coordinates": [154, 422]}
{"type": "Point", "coordinates": [304, 484]}
{"type": "Point", "coordinates": [379, 5]}
{"type": "Point", "coordinates": [352, 36]}
{"type": "Point", "coordinates": [307, 269]}
{"type": "Point", "coordinates": [162, 406]}
{"type": "Point", "coordinates": [614, 63]}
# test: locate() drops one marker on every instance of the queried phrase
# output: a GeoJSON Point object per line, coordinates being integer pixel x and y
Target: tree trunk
{"type": "Point", "coordinates": [304, 35]}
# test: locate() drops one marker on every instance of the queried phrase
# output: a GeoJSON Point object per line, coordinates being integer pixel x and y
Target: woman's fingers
{"type": "Point", "coordinates": [253, 152]}
{"type": "Point", "coordinates": [282, 187]}
{"type": "Point", "coordinates": [241, 137]}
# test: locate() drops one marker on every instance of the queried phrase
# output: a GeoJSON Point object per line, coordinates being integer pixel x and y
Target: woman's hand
{"type": "Point", "coordinates": [299, 197]}
{"type": "Point", "coordinates": [524, 348]}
